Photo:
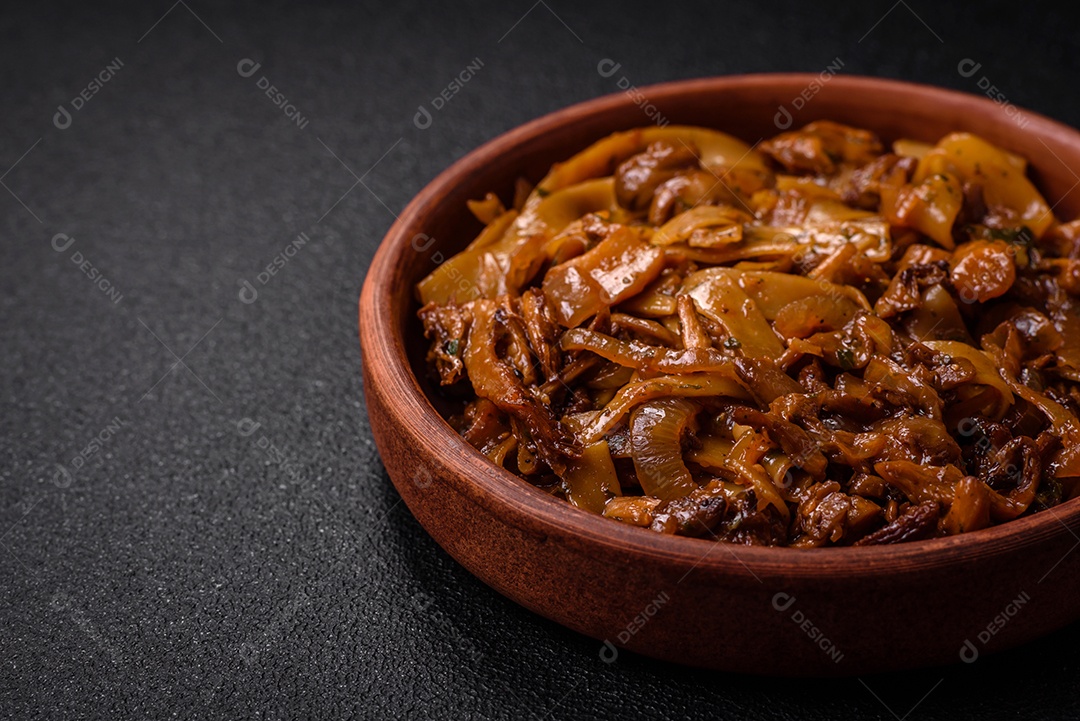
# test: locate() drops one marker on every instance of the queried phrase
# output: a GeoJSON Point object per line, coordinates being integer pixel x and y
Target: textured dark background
{"type": "Point", "coordinates": [187, 566]}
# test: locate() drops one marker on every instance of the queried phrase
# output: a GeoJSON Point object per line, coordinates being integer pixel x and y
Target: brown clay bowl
{"type": "Point", "coordinates": [756, 610]}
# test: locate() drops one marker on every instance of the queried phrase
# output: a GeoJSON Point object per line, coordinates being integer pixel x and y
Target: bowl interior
{"type": "Point", "coordinates": [438, 224]}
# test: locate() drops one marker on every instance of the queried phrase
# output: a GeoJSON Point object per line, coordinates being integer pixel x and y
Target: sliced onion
{"type": "Point", "coordinates": [656, 430]}
{"type": "Point", "coordinates": [921, 484]}
{"type": "Point", "coordinates": [970, 509]}
{"type": "Point", "coordinates": [723, 219]}
{"type": "Point", "coordinates": [986, 374]}
{"type": "Point", "coordinates": [591, 480]}
{"type": "Point", "coordinates": [744, 466]}
{"type": "Point", "coordinates": [701, 385]}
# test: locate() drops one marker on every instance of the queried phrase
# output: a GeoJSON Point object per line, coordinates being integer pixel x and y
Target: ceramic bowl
{"type": "Point", "coordinates": [778, 611]}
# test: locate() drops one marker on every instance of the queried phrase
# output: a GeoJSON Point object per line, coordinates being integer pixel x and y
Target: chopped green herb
{"type": "Point", "coordinates": [846, 357]}
{"type": "Point", "coordinates": [1021, 236]}
{"type": "Point", "coordinates": [542, 192]}
{"type": "Point", "coordinates": [732, 342]}
{"type": "Point", "coordinates": [451, 346]}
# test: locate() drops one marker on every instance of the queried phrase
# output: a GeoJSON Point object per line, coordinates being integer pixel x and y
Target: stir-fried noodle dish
{"type": "Point", "coordinates": [818, 341]}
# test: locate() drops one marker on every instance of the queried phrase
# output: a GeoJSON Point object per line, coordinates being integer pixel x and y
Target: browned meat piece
{"type": "Point", "coordinates": [695, 514]}
{"type": "Point", "coordinates": [917, 439]}
{"type": "Point", "coordinates": [826, 514]}
{"type": "Point", "coordinates": [905, 291]}
{"type": "Point", "coordinates": [803, 450]}
{"type": "Point", "coordinates": [953, 374]}
{"type": "Point", "coordinates": [693, 333]}
{"type": "Point", "coordinates": [685, 190]}
{"type": "Point", "coordinates": [821, 146]}
{"type": "Point", "coordinates": [446, 326]}
{"type": "Point", "coordinates": [518, 351]}
{"type": "Point", "coordinates": [636, 179]}
{"type": "Point", "coordinates": [484, 425]}
{"type": "Point", "coordinates": [493, 379]}
{"type": "Point", "coordinates": [542, 330]}
{"type": "Point", "coordinates": [764, 379]}
{"type": "Point", "coordinates": [748, 525]}
{"type": "Point", "coordinates": [863, 189]}
{"type": "Point", "coordinates": [914, 524]}
{"type": "Point", "coordinates": [1014, 478]}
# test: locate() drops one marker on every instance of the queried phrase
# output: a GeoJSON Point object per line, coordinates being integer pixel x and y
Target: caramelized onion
{"type": "Point", "coordinates": [591, 479]}
{"type": "Point", "coordinates": [814, 342]}
{"type": "Point", "coordinates": [656, 430]}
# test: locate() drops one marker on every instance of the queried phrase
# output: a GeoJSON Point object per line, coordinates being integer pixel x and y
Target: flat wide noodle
{"type": "Point", "coordinates": [811, 342]}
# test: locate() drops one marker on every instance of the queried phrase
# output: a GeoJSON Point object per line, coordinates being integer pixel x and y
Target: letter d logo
{"type": "Point", "coordinates": [247, 292]}
{"type": "Point", "coordinates": [62, 118]}
{"type": "Point", "coordinates": [422, 119]}
{"type": "Point", "coordinates": [783, 118]}
{"type": "Point", "coordinates": [782, 601]}
{"type": "Point", "coordinates": [62, 478]}
{"type": "Point", "coordinates": [61, 242]}
{"type": "Point", "coordinates": [247, 67]}
{"type": "Point", "coordinates": [607, 67]}
{"type": "Point", "coordinates": [968, 67]}
{"type": "Point", "coordinates": [246, 426]}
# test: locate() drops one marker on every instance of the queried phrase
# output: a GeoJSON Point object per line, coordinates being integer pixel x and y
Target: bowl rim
{"type": "Point", "coordinates": [500, 491]}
